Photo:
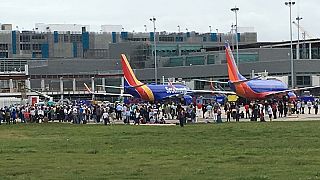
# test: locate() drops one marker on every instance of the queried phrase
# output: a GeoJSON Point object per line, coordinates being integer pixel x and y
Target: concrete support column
{"type": "Point", "coordinates": [42, 85]}
{"type": "Point", "coordinates": [103, 82]}
{"type": "Point", "coordinates": [310, 51]}
{"type": "Point", "coordinates": [61, 88]}
{"type": "Point", "coordinates": [11, 85]}
{"type": "Point", "coordinates": [298, 51]}
{"type": "Point", "coordinates": [28, 85]}
{"type": "Point", "coordinates": [74, 85]}
{"type": "Point", "coordinates": [92, 87]}
{"type": "Point", "coordinates": [206, 59]}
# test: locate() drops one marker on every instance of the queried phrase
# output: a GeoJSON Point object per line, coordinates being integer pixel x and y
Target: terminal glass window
{"type": "Point", "coordinates": [247, 57]}
{"type": "Point", "coordinates": [195, 60]}
{"type": "Point", "coordinates": [178, 61]}
{"type": "Point", "coordinates": [3, 46]}
{"type": "Point", "coordinates": [211, 59]}
{"type": "Point", "coordinates": [204, 39]}
{"type": "Point", "coordinates": [166, 39]}
{"type": "Point", "coordinates": [303, 80]}
{"type": "Point", "coordinates": [38, 36]}
{"type": "Point", "coordinates": [66, 38]}
{"type": "Point", "coordinates": [179, 39]}
{"type": "Point", "coordinates": [315, 52]}
{"type": "Point", "coordinates": [25, 47]}
{"type": "Point", "coordinates": [76, 37]}
{"type": "Point", "coordinates": [25, 38]}
{"type": "Point", "coordinates": [3, 54]}
{"type": "Point", "coordinates": [36, 46]}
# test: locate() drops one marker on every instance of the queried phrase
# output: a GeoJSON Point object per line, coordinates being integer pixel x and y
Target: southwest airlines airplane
{"type": "Point", "coordinates": [156, 92]}
{"type": "Point", "coordinates": [256, 89]}
{"type": "Point", "coordinates": [153, 92]}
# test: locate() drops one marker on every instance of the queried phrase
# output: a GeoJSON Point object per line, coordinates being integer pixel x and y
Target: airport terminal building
{"type": "Point", "coordinates": [58, 58]}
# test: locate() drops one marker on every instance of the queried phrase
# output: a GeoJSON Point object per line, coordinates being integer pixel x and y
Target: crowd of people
{"type": "Point", "coordinates": [104, 113]}
{"type": "Point", "coordinates": [153, 113]}
{"type": "Point", "coordinates": [257, 110]}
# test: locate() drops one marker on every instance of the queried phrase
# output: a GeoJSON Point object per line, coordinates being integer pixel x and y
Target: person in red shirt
{"type": "Point", "coordinates": [199, 109]}
{"type": "Point", "coordinates": [246, 107]}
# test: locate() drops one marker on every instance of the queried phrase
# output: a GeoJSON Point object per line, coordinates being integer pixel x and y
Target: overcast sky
{"type": "Point", "coordinates": [270, 18]}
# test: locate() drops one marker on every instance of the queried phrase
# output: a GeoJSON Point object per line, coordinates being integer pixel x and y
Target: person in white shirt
{"type": "Point", "coordinates": [270, 112]}
{"type": "Point", "coordinates": [309, 104]}
{"type": "Point", "coordinates": [105, 117]}
{"type": "Point", "coordinates": [119, 110]}
{"type": "Point", "coordinates": [209, 110]}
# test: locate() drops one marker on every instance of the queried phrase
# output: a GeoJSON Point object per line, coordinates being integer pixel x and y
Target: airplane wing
{"type": "Point", "coordinates": [291, 90]}
{"type": "Point", "coordinates": [40, 93]}
{"type": "Point", "coordinates": [234, 82]}
{"type": "Point", "coordinates": [209, 91]}
{"type": "Point", "coordinates": [114, 87]}
{"type": "Point", "coordinates": [219, 82]}
{"type": "Point", "coordinates": [305, 88]}
{"type": "Point", "coordinates": [111, 94]}
{"type": "Point", "coordinates": [105, 94]}
{"type": "Point", "coordinates": [121, 87]}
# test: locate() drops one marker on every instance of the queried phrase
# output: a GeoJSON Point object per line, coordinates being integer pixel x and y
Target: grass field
{"type": "Point", "coordinates": [277, 150]}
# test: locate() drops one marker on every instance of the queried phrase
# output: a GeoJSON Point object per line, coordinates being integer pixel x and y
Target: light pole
{"type": "Point", "coordinates": [218, 38]}
{"type": "Point", "coordinates": [235, 10]}
{"type": "Point", "coordinates": [210, 29]}
{"type": "Point", "coordinates": [290, 4]}
{"type": "Point", "coordinates": [178, 28]}
{"type": "Point", "coordinates": [153, 19]}
{"type": "Point", "coordinates": [298, 44]}
{"type": "Point", "coordinates": [232, 36]}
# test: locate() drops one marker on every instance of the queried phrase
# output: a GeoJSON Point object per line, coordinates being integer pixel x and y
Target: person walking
{"type": "Point", "coordinates": [274, 110]}
{"type": "Point", "coordinates": [309, 104]}
{"type": "Point", "coordinates": [237, 113]}
{"type": "Point", "coordinates": [302, 107]}
{"type": "Point", "coordinates": [199, 109]}
{"type": "Point", "coordinates": [280, 108]}
{"type": "Point", "coordinates": [193, 115]}
{"type": "Point", "coordinates": [285, 109]}
{"type": "Point", "coordinates": [270, 112]}
{"type": "Point", "coordinates": [316, 107]}
{"type": "Point", "coordinates": [7, 116]}
{"type": "Point", "coordinates": [219, 120]}
{"type": "Point", "coordinates": [14, 116]}
{"type": "Point", "coordinates": [298, 109]}
{"type": "Point", "coordinates": [119, 109]}
{"type": "Point", "coordinates": [209, 110]}
{"type": "Point", "coordinates": [105, 116]}
{"type": "Point", "coordinates": [228, 111]}
{"type": "Point", "coordinates": [181, 116]}
{"type": "Point", "coordinates": [246, 107]}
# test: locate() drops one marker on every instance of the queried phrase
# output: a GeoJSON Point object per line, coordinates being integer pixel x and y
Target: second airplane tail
{"type": "Point", "coordinates": [233, 71]}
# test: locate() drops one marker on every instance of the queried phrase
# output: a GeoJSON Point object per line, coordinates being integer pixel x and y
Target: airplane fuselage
{"type": "Point", "coordinates": [153, 92]}
{"type": "Point", "coordinates": [257, 89]}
